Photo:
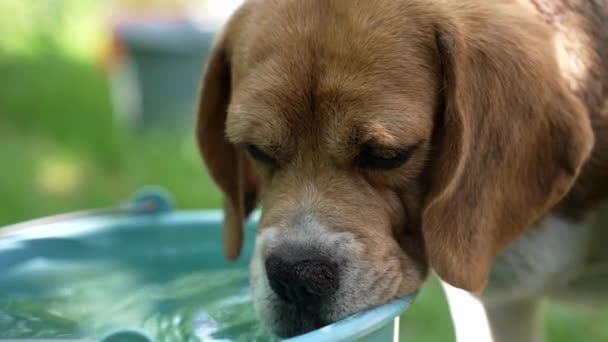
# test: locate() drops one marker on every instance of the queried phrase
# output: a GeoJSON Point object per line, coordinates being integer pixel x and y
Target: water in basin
{"type": "Point", "coordinates": [161, 274]}
{"type": "Point", "coordinates": [210, 305]}
{"type": "Point", "coordinates": [203, 306]}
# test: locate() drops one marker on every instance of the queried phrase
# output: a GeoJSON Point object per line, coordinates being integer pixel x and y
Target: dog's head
{"type": "Point", "coordinates": [382, 138]}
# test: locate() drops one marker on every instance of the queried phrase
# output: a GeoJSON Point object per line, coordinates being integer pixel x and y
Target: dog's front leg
{"type": "Point", "coordinates": [519, 320]}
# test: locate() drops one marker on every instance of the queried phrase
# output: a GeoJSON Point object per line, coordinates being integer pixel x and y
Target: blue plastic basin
{"type": "Point", "coordinates": [143, 270]}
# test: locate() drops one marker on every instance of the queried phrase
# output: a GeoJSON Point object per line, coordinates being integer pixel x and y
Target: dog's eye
{"type": "Point", "coordinates": [259, 155]}
{"type": "Point", "coordinates": [383, 158]}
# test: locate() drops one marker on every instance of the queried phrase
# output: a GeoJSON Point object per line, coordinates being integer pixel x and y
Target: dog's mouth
{"type": "Point", "coordinates": [290, 315]}
{"type": "Point", "coordinates": [290, 320]}
{"type": "Point", "coordinates": [295, 320]}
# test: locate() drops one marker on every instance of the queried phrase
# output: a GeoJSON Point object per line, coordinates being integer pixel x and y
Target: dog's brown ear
{"type": "Point", "coordinates": [229, 167]}
{"type": "Point", "coordinates": [510, 142]}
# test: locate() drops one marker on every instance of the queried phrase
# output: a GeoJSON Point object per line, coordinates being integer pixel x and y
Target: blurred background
{"type": "Point", "coordinates": [97, 100]}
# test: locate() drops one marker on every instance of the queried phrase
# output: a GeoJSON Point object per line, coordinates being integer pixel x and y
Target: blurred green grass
{"type": "Point", "coordinates": [62, 150]}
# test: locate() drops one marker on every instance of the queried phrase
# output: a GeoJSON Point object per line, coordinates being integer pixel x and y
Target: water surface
{"type": "Point", "coordinates": [205, 306]}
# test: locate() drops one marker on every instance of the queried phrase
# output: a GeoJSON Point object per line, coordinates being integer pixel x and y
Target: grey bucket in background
{"type": "Point", "coordinates": [156, 87]}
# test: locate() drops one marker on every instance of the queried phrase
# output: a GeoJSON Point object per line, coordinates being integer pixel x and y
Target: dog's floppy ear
{"type": "Point", "coordinates": [510, 142]}
{"type": "Point", "coordinates": [229, 167]}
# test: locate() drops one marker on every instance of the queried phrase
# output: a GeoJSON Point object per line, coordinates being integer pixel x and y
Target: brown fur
{"type": "Point", "coordinates": [502, 129]}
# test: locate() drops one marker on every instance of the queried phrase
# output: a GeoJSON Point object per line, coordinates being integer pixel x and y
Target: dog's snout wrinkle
{"type": "Point", "coordinates": [301, 277]}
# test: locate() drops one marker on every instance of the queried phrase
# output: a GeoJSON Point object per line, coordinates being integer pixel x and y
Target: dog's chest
{"type": "Point", "coordinates": [557, 258]}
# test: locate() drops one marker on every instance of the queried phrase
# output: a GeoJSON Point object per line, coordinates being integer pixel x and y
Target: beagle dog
{"type": "Point", "coordinates": [384, 139]}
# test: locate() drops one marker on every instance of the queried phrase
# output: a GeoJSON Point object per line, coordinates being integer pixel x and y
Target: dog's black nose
{"type": "Point", "coordinates": [299, 276]}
